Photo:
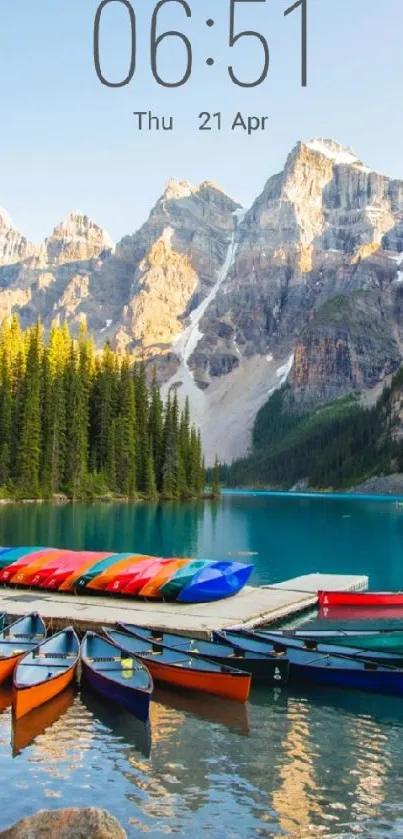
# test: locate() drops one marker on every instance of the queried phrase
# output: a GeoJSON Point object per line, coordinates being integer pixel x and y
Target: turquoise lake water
{"type": "Point", "coordinates": [298, 763]}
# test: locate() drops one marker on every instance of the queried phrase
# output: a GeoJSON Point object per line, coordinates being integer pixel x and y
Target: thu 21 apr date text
{"type": "Point", "coordinates": [205, 121]}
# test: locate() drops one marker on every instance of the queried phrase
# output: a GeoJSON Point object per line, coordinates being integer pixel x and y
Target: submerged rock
{"type": "Point", "coordinates": [69, 823]}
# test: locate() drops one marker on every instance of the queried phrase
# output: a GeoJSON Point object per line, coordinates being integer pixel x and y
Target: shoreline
{"type": "Point", "coordinates": [107, 499]}
{"type": "Point", "coordinates": [317, 494]}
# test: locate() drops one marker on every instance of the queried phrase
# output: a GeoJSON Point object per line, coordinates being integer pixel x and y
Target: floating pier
{"type": "Point", "coordinates": [253, 606]}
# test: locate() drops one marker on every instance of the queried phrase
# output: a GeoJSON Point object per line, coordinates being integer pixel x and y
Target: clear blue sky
{"type": "Point", "coordinates": [67, 142]}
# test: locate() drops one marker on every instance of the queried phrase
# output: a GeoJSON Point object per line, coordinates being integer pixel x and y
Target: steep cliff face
{"type": "Point", "coordinates": [347, 345]}
{"type": "Point", "coordinates": [228, 301]}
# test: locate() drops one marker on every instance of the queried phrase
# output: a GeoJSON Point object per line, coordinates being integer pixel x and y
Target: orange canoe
{"type": "Point", "coordinates": [152, 588]}
{"type": "Point", "coordinates": [43, 673]}
{"type": "Point", "coordinates": [23, 575]}
{"type": "Point", "coordinates": [182, 669]}
{"type": "Point", "coordinates": [143, 574]}
{"type": "Point", "coordinates": [101, 582]}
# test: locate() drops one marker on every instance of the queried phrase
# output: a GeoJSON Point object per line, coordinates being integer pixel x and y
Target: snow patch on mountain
{"type": "Point", "coordinates": [334, 151]}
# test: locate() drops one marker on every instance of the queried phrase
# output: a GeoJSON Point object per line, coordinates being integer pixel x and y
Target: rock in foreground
{"type": "Point", "coordinates": [69, 823]}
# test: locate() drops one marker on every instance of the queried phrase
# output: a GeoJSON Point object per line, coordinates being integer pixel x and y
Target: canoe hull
{"type": "Point", "coordinates": [26, 699]}
{"type": "Point", "coordinates": [9, 574]}
{"type": "Point", "coordinates": [7, 667]}
{"type": "Point", "coordinates": [80, 580]}
{"type": "Point", "coordinates": [137, 702]}
{"type": "Point", "coordinates": [360, 598]}
{"type": "Point", "coordinates": [228, 686]}
{"type": "Point", "coordinates": [263, 671]}
{"type": "Point", "coordinates": [386, 642]}
{"type": "Point", "coordinates": [153, 587]}
{"type": "Point", "coordinates": [182, 578]}
{"type": "Point", "coordinates": [104, 580]}
{"type": "Point", "coordinates": [215, 583]}
{"type": "Point", "coordinates": [141, 576]}
{"type": "Point", "coordinates": [389, 683]}
{"type": "Point", "coordinates": [379, 656]}
{"type": "Point", "coordinates": [333, 670]}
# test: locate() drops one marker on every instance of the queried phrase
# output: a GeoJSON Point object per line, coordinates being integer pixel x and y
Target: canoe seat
{"type": "Point", "coordinates": [20, 635]}
{"type": "Point", "coordinates": [105, 658]}
{"type": "Point", "coordinates": [53, 655]}
{"type": "Point", "coordinates": [136, 667]}
{"type": "Point", "coordinates": [40, 664]}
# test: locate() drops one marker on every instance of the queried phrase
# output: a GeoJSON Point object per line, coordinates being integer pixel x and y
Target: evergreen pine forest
{"type": "Point", "coordinates": [87, 424]}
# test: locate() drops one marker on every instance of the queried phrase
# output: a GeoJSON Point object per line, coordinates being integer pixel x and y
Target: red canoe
{"type": "Point", "coordinates": [360, 598]}
{"type": "Point", "coordinates": [74, 563]}
{"type": "Point", "coordinates": [117, 582]}
{"type": "Point", "coordinates": [143, 575]}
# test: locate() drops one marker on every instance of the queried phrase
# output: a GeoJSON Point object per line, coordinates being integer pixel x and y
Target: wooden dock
{"type": "Point", "coordinates": [251, 607]}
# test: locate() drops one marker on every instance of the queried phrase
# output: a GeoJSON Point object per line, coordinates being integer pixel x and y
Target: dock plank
{"type": "Point", "coordinates": [253, 606]}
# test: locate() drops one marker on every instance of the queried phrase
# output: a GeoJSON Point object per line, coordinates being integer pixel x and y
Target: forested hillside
{"type": "Point", "coordinates": [334, 446]}
{"type": "Point", "coordinates": [86, 424]}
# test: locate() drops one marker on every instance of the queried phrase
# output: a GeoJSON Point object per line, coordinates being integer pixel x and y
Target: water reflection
{"type": "Point", "coordinates": [295, 800]}
{"type": "Point", "coordinates": [316, 763]}
{"type": "Point", "coordinates": [27, 728]}
{"type": "Point", "coordinates": [212, 709]}
{"type": "Point", "coordinates": [289, 536]}
{"type": "Point", "coordinates": [6, 695]}
{"type": "Point", "coordinates": [169, 529]}
{"type": "Point", "coordinates": [132, 733]}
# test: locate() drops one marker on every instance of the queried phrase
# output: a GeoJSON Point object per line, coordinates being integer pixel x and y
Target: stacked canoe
{"type": "Point", "coordinates": [128, 574]}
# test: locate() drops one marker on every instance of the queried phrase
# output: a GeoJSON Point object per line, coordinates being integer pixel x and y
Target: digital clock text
{"type": "Point", "coordinates": [236, 40]}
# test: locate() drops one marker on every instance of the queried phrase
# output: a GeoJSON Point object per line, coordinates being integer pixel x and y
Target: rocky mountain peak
{"type": "Point", "coordinates": [77, 238]}
{"type": "Point", "coordinates": [175, 190]}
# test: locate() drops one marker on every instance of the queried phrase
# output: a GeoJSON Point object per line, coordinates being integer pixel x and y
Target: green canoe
{"type": "Point", "coordinates": [182, 577]}
{"type": "Point", "coordinates": [382, 640]}
{"type": "Point", "coordinates": [99, 567]}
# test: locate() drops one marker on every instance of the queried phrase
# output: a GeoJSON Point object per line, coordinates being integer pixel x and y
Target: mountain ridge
{"type": "Point", "coordinates": [222, 299]}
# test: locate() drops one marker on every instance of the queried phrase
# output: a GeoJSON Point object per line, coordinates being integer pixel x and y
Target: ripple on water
{"type": "Point", "coordinates": [316, 764]}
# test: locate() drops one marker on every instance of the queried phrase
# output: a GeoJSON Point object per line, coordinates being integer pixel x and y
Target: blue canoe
{"type": "Point", "coordinates": [278, 641]}
{"type": "Point", "coordinates": [18, 638]}
{"type": "Point", "coordinates": [219, 580]}
{"type": "Point", "coordinates": [116, 675]}
{"type": "Point", "coordinates": [336, 670]}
